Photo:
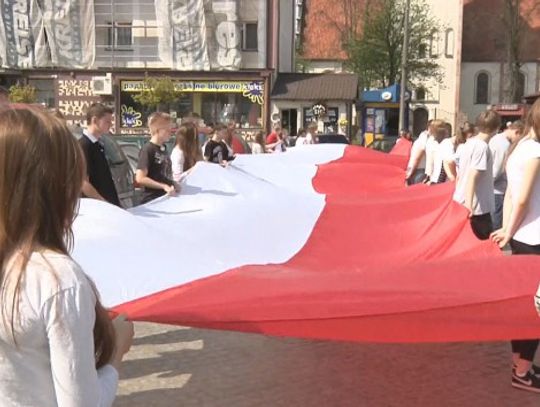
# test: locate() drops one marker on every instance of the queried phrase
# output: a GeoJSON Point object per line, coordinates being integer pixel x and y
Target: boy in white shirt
{"type": "Point", "coordinates": [474, 185]}
{"type": "Point", "coordinates": [417, 162]}
{"type": "Point", "coordinates": [499, 146]}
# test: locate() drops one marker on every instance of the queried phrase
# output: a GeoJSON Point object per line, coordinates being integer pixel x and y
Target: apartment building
{"type": "Point", "coordinates": [222, 55]}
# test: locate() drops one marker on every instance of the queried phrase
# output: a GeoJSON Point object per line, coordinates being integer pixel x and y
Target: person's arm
{"type": "Point", "coordinates": [177, 164]}
{"type": "Point", "coordinates": [470, 187]}
{"type": "Point", "coordinates": [142, 178]}
{"type": "Point", "coordinates": [69, 318]}
{"type": "Point", "coordinates": [449, 167]}
{"type": "Point", "coordinates": [414, 164]}
{"type": "Point", "coordinates": [90, 192]}
{"type": "Point", "coordinates": [519, 208]}
{"type": "Point", "coordinates": [141, 175]}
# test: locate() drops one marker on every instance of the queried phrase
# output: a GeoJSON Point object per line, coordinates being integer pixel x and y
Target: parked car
{"type": "Point", "coordinates": [332, 139]}
{"type": "Point", "coordinates": [121, 170]}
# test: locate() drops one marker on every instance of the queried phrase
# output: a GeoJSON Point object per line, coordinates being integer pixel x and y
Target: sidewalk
{"type": "Point", "coordinates": [174, 366]}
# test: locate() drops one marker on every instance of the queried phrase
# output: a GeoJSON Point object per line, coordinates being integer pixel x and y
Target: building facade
{"type": "Point", "coordinates": [484, 68]}
{"type": "Point", "coordinates": [221, 54]}
{"type": "Point", "coordinates": [322, 52]}
{"type": "Point", "coordinates": [433, 100]}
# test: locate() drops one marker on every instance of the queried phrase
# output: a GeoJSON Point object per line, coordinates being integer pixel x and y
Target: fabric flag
{"type": "Point", "coordinates": [182, 43]}
{"type": "Point", "coordinates": [22, 35]}
{"type": "Point", "coordinates": [70, 26]}
{"type": "Point", "coordinates": [224, 43]}
{"type": "Point", "coordinates": [320, 242]}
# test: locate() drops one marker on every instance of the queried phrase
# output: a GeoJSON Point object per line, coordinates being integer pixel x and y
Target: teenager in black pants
{"type": "Point", "coordinates": [521, 228]}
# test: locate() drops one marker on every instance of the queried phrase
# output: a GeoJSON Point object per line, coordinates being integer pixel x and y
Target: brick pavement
{"type": "Point", "coordinates": [174, 366]}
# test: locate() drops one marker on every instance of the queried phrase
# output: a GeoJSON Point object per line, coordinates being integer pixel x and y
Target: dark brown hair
{"type": "Point", "coordinates": [41, 174]}
{"type": "Point", "coordinates": [186, 140]}
{"type": "Point", "coordinates": [260, 139]}
{"type": "Point", "coordinates": [98, 111]}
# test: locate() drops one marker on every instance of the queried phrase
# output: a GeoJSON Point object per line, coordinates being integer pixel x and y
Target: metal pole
{"type": "Point", "coordinates": [404, 57]}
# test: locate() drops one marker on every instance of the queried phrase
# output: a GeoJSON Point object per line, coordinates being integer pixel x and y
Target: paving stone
{"type": "Point", "coordinates": [177, 366]}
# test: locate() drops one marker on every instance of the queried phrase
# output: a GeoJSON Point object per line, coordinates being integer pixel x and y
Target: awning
{"type": "Point", "coordinates": [302, 86]}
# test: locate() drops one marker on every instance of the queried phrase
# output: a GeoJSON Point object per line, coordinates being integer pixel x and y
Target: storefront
{"type": "Point", "coordinates": [380, 114]}
{"type": "Point", "coordinates": [216, 101]}
{"type": "Point", "coordinates": [325, 99]}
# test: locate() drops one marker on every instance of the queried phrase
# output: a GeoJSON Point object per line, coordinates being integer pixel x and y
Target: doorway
{"type": "Point", "coordinates": [420, 120]}
{"type": "Point", "coordinates": [289, 121]}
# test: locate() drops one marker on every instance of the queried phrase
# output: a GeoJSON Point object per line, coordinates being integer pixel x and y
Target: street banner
{"type": "Point", "coordinates": [22, 35]}
{"type": "Point", "coordinates": [225, 42]}
{"type": "Point", "coordinates": [182, 40]}
{"type": "Point", "coordinates": [197, 35]}
{"type": "Point", "coordinates": [321, 241]}
{"type": "Point", "coordinates": [70, 26]}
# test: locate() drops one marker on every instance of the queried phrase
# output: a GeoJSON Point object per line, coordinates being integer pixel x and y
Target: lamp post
{"type": "Point", "coordinates": [404, 57]}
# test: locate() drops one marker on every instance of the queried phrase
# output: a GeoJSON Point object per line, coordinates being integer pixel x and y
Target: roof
{"type": "Point", "coordinates": [302, 86]}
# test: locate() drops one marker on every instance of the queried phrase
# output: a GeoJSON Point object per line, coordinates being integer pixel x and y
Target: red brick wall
{"type": "Point", "coordinates": [484, 33]}
{"type": "Point", "coordinates": [322, 39]}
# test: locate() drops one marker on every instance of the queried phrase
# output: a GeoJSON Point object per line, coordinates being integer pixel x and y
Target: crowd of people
{"type": "Point", "coordinates": [497, 179]}
{"type": "Point", "coordinates": [58, 344]}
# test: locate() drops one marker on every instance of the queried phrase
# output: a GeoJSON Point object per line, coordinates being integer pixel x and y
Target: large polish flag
{"type": "Point", "coordinates": [320, 242]}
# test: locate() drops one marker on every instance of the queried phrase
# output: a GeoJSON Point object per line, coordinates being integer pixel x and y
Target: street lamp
{"type": "Point", "coordinates": [404, 57]}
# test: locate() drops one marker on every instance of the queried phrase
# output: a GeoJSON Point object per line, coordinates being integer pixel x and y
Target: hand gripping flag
{"type": "Point", "coordinates": [322, 242]}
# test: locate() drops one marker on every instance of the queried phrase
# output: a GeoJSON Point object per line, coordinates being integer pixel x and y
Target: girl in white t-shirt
{"type": "Point", "coordinates": [58, 346]}
{"type": "Point", "coordinates": [258, 144]}
{"type": "Point", "coordinates": [185, 153]}
{"type": "Point", "coordinates": [450, 147]}
{"type": "Point", "coordinates": [521, 228]}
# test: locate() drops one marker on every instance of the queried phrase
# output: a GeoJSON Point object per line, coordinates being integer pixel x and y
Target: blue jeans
{"type": "Point", "coordinates": [497, 215]}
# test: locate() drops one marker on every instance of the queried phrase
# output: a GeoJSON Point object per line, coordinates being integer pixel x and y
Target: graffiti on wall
{"type": "Point", "coordinates": [73, 97]}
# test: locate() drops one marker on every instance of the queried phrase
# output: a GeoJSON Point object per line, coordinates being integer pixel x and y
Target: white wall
{"type": "Point", "coordinates": [442, 100]}
{"type": "Point", "coordinates": [470, 70]}
{"type": "Point", "coordinates": [324, 66]}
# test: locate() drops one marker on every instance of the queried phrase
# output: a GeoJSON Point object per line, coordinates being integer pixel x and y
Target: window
{"type": "Point", "coordinates": [422, 51]}
{"type": "Point", "coordinates": [449, 43]}
{"type": "Point", "coordinates": [434, 45]}
{"type": "Point", "coordinates": [421, 94]}
{"type": "Point", "coordinates": [248, 37]}
{"type": "Point", "coordinates": [482, 89]}
{"type": "Point", "coordinates": [119, 36]}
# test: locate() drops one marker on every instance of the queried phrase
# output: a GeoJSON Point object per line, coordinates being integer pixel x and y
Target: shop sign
{"type": "Point", "coordinates": [253, 90]}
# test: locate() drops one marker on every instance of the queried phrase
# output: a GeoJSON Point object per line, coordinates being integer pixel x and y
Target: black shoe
{"type": "Point", "coordinates": [528, 382]}
{"type": "Point", "coordinates": [535, 370]}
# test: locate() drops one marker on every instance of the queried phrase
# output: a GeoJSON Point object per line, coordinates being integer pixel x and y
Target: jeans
{"type": "Point", "coordinates": [527, 347]}
{"type": "Point", "coordinates": [497, 215]}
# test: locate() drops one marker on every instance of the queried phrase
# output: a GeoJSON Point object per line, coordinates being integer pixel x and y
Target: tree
{"type": "Point", "coordinates": [376, 52]}
{"type": "Point", "coordinates": [22, 94]}
{"type": "Point", "coordinates": [515, 16]}
{"type": "Point", "coordinates": [158, 92]}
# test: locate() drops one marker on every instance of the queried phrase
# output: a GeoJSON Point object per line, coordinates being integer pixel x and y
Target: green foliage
{"type": "Point", "coordinates": [376, 53]}
{"type": "Point", "coordinates": [157, 92]}
{"type": "Point", "coordinates": [22, 94]}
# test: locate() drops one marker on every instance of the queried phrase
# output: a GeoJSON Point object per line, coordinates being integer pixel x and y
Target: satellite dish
{"type": "Point", "coordinates": [386, 95]}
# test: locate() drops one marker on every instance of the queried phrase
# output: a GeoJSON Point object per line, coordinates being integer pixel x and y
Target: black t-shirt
{"type": "Point", "coordinates": [98, 171]}
{"type": "Point", "coordinates": [156, 161]}
{"type": "Point", "coordinates": [216, 152]}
